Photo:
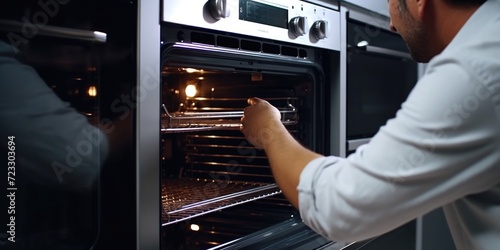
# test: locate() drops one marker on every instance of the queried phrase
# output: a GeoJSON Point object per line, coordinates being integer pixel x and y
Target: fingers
{"type": "Point", "coordinates": [253, 100]}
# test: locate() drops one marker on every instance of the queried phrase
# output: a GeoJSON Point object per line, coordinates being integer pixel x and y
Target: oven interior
{"type": "Point", "coordinates": [216, 187]}
{"type": "Point", "coordinates": [207, 165]}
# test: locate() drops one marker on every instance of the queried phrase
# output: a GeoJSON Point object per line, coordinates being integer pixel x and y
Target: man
{"type": "Point", "coordinates": [441, 149]}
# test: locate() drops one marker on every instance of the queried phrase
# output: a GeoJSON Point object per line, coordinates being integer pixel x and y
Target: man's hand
{"type": "Point", "coordinates": [261, 122]}
{"type": "Point", "coordinates": [262, 126]}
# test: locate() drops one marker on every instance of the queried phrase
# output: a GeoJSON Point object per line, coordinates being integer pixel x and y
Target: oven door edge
{"type": "Point", "coordinates": [192, 50]}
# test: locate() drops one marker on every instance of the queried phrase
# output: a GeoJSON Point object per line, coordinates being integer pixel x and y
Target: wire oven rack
{"type": "Point", "coordinates": [191, 121]}
{"type": "Point", "coordinates": [183, 199]}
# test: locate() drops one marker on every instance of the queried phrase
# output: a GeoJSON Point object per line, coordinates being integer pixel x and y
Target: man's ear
{"type": "Point", "coordinates": [421, 7]}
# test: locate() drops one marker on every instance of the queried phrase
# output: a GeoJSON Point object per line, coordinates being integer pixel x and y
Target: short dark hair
{"type": "Point", "coordinates": [466, 2]}
{"type": "Point", "coordinates": [461, 3]}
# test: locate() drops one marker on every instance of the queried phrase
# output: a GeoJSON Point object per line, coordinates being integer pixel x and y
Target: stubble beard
{"type": "Point", "coordinates": [416, 38]}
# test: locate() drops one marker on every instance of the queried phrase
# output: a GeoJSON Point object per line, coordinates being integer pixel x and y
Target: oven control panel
{"type": "Point", "coordinates": [291, 21]}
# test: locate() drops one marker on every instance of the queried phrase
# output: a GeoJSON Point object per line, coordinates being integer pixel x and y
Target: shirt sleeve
{"type": "Point", "coordinates": [55, 144]}
{"type": "Point", "coordinates": [441, 146]}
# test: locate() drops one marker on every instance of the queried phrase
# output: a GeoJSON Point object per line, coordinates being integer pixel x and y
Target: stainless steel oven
{"type": "Point", "coordinates": [380, 74]}
{"type": "Point", "coordinates": [217, 190]}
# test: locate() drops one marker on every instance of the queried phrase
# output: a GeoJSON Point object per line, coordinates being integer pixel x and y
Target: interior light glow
{"type": "Point", "coordinates": [191, 70]}
{"type": "Point", "coordinates": [92, 91]}
{"type": "Point", "coordinates": [191, 90]}
{"type": "Point", "coordinates": [194, 227]}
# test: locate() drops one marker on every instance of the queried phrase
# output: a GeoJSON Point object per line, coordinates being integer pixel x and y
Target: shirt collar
{"type": "Point", "coordinates": [481, 18]}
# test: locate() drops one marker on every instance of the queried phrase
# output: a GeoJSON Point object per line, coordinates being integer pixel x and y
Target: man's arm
{"type": "Point", "coordinates": [431, 154]}
{"type": "Point", "coordinates": [263, 128]}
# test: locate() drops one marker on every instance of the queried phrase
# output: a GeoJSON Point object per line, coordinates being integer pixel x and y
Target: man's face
{"type": "Point", "coordinates": [411, 30]}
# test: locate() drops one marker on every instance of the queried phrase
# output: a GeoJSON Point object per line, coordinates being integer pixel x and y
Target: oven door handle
{"type": "Point", "coordinates": [379, 50]}
{"type": "Point", "coordinates": [54, 31]}
{"type": "Point", "coordinates": [356, 143]}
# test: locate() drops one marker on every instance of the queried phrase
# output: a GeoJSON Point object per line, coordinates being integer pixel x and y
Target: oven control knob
{"type": "Point", "coordinates": [298, 25]}
{"type": "Point", "coordinates": [219, 9]}
{"type": "Point", "coordinates": [320, 29]}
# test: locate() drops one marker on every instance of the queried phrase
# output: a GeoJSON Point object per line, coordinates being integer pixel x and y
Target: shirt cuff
{"type": "Point", "coordinates": [311, 173]}
{"type": "Point", "coordinates": [307, 187]}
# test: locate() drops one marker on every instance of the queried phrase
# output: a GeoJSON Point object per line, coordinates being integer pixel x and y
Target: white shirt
{"type": "Point", "coordinates": [54, 144]}
{"type": "Point", "coordinates": [441, 150]}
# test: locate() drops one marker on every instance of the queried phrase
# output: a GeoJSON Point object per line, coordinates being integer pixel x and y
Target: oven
{"type": "Point", "coordinates": [217, 190]}
{"type": "Point", "coordinates": [379, 74]}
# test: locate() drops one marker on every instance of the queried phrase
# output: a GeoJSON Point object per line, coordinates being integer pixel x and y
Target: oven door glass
{"type": "Point", "coordinates": [377, 86]}
{"type": "Point", "coordinates": [50, 211]}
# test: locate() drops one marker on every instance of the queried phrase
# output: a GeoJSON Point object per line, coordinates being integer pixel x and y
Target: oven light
{"type": "Point", "coordinates": [194, 227]}
{"type": "Point", "coordinates": [363, 43]}
{"type": "Point", "coordinates": [92, 91]}
{"type": "Point", "coordinates": [191, 90]}
{"type": "Point", "coordinates": [191, 70]}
